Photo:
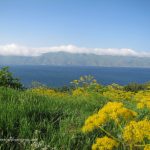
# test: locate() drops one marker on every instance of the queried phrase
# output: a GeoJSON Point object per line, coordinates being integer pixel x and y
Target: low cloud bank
{"type": "Point", "coordinates": [18, 50]}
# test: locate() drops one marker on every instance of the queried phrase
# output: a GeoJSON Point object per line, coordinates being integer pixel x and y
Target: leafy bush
{"type": "Point", "coordinates": [134, 87]}
{"type": "Point", "coordinates": [7, 79]}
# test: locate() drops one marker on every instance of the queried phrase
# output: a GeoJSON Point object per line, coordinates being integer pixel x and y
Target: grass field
{"type": "Point", "coordinates": [56, 120]}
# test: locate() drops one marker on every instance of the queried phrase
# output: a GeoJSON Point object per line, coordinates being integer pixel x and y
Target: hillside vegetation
{"type": "Point", "coordinates": [84, 116]}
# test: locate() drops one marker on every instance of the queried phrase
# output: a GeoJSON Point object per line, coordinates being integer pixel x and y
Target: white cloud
{"type": "Point", "coordinates": [18, 50]}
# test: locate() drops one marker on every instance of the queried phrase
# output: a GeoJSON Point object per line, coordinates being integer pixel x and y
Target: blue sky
{"type": "Point", "coordinates": [85, 23]}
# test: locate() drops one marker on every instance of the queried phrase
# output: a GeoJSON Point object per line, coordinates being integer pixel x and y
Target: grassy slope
{"type": "Point", "coordinates": [54, 120]}
{"type": "Point", "coordinates": [57, 120]}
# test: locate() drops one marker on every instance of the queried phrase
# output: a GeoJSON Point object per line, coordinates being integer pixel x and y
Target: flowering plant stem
{"type": "Point", "coordinates": [131, 146]}
{"type": "Point", "coordinates": [141, 145]}
{"type": "Point", "coordinates": [110, 135]}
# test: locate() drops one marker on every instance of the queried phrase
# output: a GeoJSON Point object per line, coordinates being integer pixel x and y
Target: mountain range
{"type": "Point", "coordinates": [68, 59]}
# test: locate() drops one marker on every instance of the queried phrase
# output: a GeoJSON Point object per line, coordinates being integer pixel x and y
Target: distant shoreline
{"type": "Point", "coordinates": [67, 66]}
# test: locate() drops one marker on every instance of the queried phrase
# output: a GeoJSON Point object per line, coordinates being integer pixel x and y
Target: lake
{"type": "Point", "coordinates": [58, 76]}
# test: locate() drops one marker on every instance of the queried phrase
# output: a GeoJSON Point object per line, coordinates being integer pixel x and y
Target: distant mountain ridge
{"type": "Point", "coordinates": [68, 59]}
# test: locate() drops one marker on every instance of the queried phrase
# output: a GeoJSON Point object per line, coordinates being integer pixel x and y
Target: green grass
{"type": "Point", "coordinates": [55, 121]}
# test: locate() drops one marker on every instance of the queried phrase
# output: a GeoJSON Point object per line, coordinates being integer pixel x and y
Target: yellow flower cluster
{"type": "Point", "coordinates": [147, 147]}
{"type": "Point", "coordinates": [135, 132]}
{"type": "Point", "coordinates": [93, 122]}
{"type": "Point", "coordinates": [115, 110]}
{"type": "Point", "coordinates": [112, 110]}
{"type": "Point", "coordinates": [117, 94]}
{"type": "Point", "coordinates": [143, 99]}
{"type": "Point", "coordinates": [47, 92]}
{"type": "Point", "coordinates": [104, 143]}
{"type": "Point", "coordinates": [80, 91]}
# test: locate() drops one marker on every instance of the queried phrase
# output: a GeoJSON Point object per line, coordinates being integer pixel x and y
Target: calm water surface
{"type": "Point", "coordinates": [59, 76]}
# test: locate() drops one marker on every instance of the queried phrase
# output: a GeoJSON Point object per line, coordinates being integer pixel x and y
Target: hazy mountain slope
{"type": "Point", "coordinates": [63, 58]}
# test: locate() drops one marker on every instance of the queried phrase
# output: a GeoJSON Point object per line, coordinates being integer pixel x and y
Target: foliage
{"type": "Point", "coordinates": [134, 87]}
{"type": "Point", "coordinates": [57, 117]}
{"type": "Point", "coordinates": [7, 79]}
{"type": "Point", "coordinates": [86, 116]}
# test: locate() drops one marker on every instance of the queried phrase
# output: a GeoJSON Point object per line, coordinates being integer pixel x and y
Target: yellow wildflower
{"type": "Point", "coordinates": [143, 99]}
{"type": "Point", "coordinates": [140, 105]}
{"type": "Point", "coordinates": [104, 143]}
{"type": "Point", "coordinates": [112, 110]}
{"type": "Point", "coordinates": [80, 91]}
{"type": "Point", "coordinates": [147, 147]}
{"type": "Point", "coordinates": [47, 92]}
{"type": "Point", "coordinates": [115, 110]}
{"type": "Point", "coordinates": [135, 132]}
{"type": "Point", "coordinates": [117, 94]}
{"type": "Point", "coordinates": [93, 122]}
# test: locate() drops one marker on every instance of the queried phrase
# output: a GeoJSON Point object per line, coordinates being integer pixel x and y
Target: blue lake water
{"type": "Point", "coordinates": [59, 76]}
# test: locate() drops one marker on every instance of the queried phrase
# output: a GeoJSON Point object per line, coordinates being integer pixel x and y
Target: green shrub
{"type": "Point", "coordinates": [134, 87]}
{"type": "Point", "coordinates": [7, 79]}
